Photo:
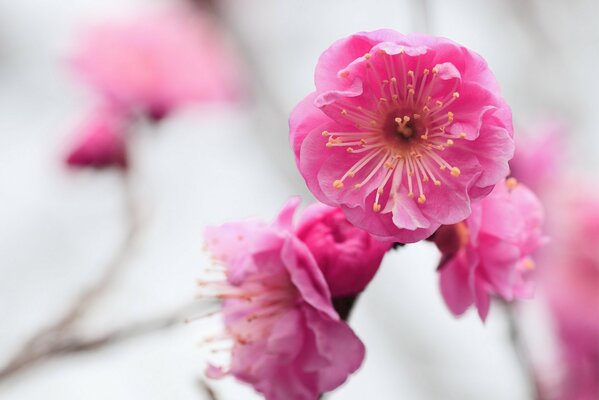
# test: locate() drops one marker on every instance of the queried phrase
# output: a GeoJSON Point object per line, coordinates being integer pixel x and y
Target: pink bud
{"type": "Point", "coordinates": [348, 256]}
{"type": "Point", "coordinates": [100, 141]}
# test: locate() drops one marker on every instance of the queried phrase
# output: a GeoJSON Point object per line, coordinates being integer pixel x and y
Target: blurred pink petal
{"type": "Point", "coordinates": [570, 282]}
{"type": "Point", "coordinates": [402, 132]}
{"type": "Point", "coordinates": [100, 141]}
{"type": "Point", "coordinates": [158, 62]}
{"type": "Point", "coordinates": [288, 340]}
{"type": "Point", "coordinates": [489, 253]}
{"type": "Point", "coordinates": [539, 155]}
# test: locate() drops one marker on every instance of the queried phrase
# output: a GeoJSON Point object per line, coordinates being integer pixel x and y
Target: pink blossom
{"type": "Point", "coordinates": [490, 252]}
{"type": "Point", "coordinates": [402, 132]}
{"type": "Point", "coordinates": [158, 62]}
{"type": "Point", "coordinates": [100, 141]}
{"type": "Point", "coordinates": [538, 155]}
{"type": "Point", "coordinates": [348, 256]}
{"type": "Point", "coordinates": [570, 283]}
{"type": "Point", "coordinates": [289, 342]}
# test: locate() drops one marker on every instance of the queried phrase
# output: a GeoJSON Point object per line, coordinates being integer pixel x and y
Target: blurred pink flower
{"type": "Point", "coordinates": [402, 132]}
{"type": "Point", "coordinates": [348, 256]}
{"type": "Point", "coordinates": [100, 141]}
{"type": "Point", "coordinates": [538, 155]}
{"type": "Point", "coordinates": [570, 282]}
{"type": "Point", "coordinates": [289, 342]}
{"type": "Point", "coordinates": [158, 62]}
{"type": "Point", "coordinates": [489, 253]}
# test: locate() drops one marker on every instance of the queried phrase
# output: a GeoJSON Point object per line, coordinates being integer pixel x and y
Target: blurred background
{"type": "Point", "coordinates": [134, 238]}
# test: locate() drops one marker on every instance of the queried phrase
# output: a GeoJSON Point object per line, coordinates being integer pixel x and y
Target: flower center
{"type": "Point", "coordinates": [400, 135]}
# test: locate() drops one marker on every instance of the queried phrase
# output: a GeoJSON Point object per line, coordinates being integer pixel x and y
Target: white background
{"type": "Point", "coordinates": [58, 228]}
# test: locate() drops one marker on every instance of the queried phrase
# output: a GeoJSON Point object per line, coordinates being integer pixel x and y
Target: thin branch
{"type": "Point", "coordinates": [206, 389]}
{"type": "Point", "coordinates": [521, 352]}
{"type": "Point", "coordinates": [51, 340]}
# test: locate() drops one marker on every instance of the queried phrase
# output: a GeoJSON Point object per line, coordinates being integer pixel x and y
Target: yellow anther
{"type": "Point", "coordinates": [383, 100]}
{"type": "Point", "coordinates": [337, 184]}
{"type": "Point", "coordinates": [411, 73]}
{"type": "Point", "coordinates": [426, 71]}
{"type": "Point", "coordinates": [379, 191]}
{"type": "Point", "coordinates": [442, 167]}
{"type": "Point", "coordinates": [437, 183]}
{"type": "Point", "coordinates": [439, 103]}
{"type": "Point", "coordinates": [349, 150]}
{"type": "Point", "coordinates": [449, 142]}
{"type": "Point", "coordinates": [435, 70]}
{"type": "Point", "coordinates": [367, 56]}
{"type": "Point", "coordinates": [462, 135]}
{"type": "Point", "coordinates": [325, 133]}
{"type": "Point", "coordinates": [357, 186]}
{"type": "Point", "coordinates": [455, 171]}
{"type": "Point", "coordinates": [393, 80]}
{"type": "Point", "coordinates": [529, 264]}
{"type": "Point", "coordinates": [421, 198]}
{"type": "Point", "coordinates": [344, 112]}
{"type": "Point", "coordinates": [456, 95]}
{"type": "Point", "coordinates": [411, 195]}
{"type": "Point", "coordinates": [329, 145]}
{"type": "Point", "coordinates": [351, 174]}
{"type": "Point", "coordinates": [425, 109]}
{"type": "Point", "coordinates": [450, 116]}
{"type": "Point", "coordinates": [376, 207]}
{"type": "Point", "coordinates": [411, 91]}
{"type": "Point", "coordinates": [511, 182]}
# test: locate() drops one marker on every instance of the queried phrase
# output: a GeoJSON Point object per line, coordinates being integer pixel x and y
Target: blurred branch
{"type": "Point", "coordinates": [70, 344]}
{"type": "Point", "coordinates": [424, 13]}
{"type": "Point", "coordinates": [521, 351]}
{"type": "Point", "coordinates": [56, 338]}
{"type": "Point", "coordinates": [206, 389]}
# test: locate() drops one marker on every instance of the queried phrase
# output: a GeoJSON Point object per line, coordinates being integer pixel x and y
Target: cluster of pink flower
{"type": "Point", "coordinates": [148, 67]}
{"type": "Point", "coordinates": [406, 138]}
{"type": "Point", "coordinates": [569, 267]}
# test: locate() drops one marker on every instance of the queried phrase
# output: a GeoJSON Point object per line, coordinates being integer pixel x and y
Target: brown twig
{"type": "Point", "coordinates": [56, 338]}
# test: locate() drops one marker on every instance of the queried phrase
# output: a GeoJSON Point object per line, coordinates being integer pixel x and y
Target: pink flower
{"type": "Point", "coordinates": [288, 341]}
{"type": "Point", "coordinates": [402, 132]}
{"type": "Point", "coordinates": [570, 283]}
{"type": "Point", "coordinates": [100, 141]}
{"type": "Point", "coordinates": [490, 252]}
{"type": "Point", "coordinates": [538, 156]}
{"type": "Point", "coordinates": [158, 62]}
{"type": "Point", "coordinates": [347, 256]}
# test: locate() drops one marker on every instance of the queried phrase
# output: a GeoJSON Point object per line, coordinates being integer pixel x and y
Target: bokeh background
{"type": "Point", "coordinates": [60, 228]}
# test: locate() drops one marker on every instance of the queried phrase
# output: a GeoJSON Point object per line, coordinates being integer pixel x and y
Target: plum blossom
{"type": "Point", "coordinates": [570, 283]}
{"type": "Point", "coordinates": [288, 341]}
{"type": "Point", "coordinates": [489, 253]}
{"type": "Point", "coordinates": [100, 141]}
{"type": "Point", "coordinates": [402, 132]}
{"type": "Point", "coordinates": [347, 256]}
{"type": "Point", "coordinates": [158, 62]}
